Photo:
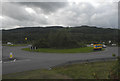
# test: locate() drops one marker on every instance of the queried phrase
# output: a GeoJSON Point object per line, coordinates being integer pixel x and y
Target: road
{"type": "Point", "coordinates": [34, 60]}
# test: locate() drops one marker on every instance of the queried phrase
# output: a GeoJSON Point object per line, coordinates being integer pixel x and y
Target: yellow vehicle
{"type": "Point", "coordinates": [97, 46]}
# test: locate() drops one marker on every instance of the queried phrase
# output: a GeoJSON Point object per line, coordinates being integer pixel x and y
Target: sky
{"type": "Point", "coordinates": [65, 13]}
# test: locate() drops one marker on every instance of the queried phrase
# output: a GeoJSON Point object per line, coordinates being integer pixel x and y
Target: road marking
{"type": "Point", "coordinates": [16, 61]}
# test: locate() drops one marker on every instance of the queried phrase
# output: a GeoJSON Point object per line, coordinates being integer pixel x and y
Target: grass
{"type": "Point", "coordinates": [73, 50]}
{"type": "Point", "coordinates": [74, 71]}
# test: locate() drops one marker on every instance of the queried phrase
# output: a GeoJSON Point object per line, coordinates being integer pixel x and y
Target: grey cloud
{"type": "Point", "coordinates": [73, 15]}
{"type": "Point", "coordinates": [47, 7]}
{"type": "Point", "coordinates": [60, 13]}
{"type": "Point", "coordinates": [85, 13]}
{"type": "Point", "coordinates": [106, 16]}
{"type": "Point", "coordinates": [17, 15]}
{"type": "Point", "coordinates": [15, 11]}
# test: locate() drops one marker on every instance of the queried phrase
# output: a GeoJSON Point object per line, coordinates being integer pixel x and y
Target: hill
{"type": "Point", "coordinates": [84, 34]}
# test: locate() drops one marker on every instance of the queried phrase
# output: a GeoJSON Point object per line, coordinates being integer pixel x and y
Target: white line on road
{"type": "Point", "coordinates": [16, 61]}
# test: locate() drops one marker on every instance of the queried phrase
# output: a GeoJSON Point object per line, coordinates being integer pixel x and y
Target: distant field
{"type": "Point", "coordinates": [74, 71]}
{"type": "Point", "coordinates": [73, 50]}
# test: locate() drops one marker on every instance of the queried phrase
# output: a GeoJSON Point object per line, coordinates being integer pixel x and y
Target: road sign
{"type": "Point", "coordinates": [11, 55]}
{"type": "Point", "coordinates": [26, 38]}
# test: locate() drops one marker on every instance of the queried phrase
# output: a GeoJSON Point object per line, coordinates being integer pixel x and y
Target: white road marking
{"type": "Point", "coordinates": [16, 61]}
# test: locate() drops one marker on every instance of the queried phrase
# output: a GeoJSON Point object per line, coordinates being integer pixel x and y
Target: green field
{"type": "Point", "coordinates": [74, 71]}
{"type": "Point", "coordinates": [73, 50]}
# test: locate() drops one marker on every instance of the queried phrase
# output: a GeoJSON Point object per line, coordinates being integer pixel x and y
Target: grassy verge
{"type": "Point", "coordinates": [73, 50]}
{"type": "Point", "coordinates": [74, 71]}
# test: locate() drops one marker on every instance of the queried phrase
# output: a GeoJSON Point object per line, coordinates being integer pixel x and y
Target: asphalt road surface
{"type": "Point", "coordinates": [33, 60]}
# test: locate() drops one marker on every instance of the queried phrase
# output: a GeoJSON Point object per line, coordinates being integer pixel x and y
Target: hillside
{"type": "Point", "coordinates": [84, 34]}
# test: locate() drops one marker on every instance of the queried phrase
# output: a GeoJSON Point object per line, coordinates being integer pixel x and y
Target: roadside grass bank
{"type": "Point", "coordinates": [73, 50]}
{"type": "Point", "coordinates": [75, 71]}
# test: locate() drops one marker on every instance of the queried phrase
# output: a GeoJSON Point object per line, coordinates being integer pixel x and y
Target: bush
{"type": "Point", "coordinates": [41, 44]}
{"type": "Point", "coordinates": [115, 71]}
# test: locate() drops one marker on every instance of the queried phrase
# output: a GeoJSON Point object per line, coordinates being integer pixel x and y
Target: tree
{"type": "Point", "coordinates": [42, 43]}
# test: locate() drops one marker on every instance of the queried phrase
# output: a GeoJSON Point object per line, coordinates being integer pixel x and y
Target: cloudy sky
{"type": "Point", "coordinates": [68, 13]}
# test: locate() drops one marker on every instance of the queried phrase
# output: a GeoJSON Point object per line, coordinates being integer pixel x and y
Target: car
{"type": "Point", "coordinates": [103, 46]}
